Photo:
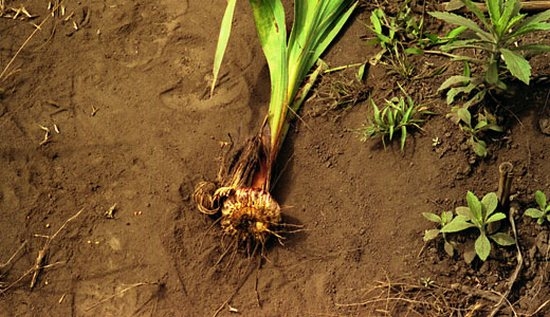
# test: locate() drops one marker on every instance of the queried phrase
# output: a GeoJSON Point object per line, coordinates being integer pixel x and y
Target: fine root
{"type": "Point", "coordinates": [426, 298]}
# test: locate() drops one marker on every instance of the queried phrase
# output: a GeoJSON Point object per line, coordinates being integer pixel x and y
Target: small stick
{"type": "Point", "coordinates": [37, 268]}
{"type": "Point", "coordinates": [504, 183]}
{"type": "Point", "coordinates": [39, 27]}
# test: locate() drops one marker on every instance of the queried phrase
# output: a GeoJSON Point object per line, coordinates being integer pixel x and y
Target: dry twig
{"type": "Point", "coordinates": [42, 252]}
{"type": "Point", "coordinates": [40, 259]}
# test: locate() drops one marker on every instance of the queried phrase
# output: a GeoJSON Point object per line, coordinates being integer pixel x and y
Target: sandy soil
{"type": "Point", "coordinates": [127, 92]}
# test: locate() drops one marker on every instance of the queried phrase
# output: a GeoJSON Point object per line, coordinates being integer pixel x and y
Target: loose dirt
{"type": "Point", "coordinates": [128, 93]}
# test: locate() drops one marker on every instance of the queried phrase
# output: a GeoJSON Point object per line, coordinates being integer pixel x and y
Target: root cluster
{"type": "Point", "coordinates": [240, 197]}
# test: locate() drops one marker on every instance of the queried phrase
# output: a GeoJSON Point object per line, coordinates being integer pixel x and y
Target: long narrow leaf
{"type": "Point", "coordinates": [511, 9]}
{"type": "Point", "coordinates": [533, 20]}
{"type": "Point", "coordinates": [269, 16]}
{"type": "Point", "coordinates": [479, 14]}
{"type": "Point", "coordinates": [494, 7]}
{"type": "Point", "coordinates": [456, 19]}
{"type": "Point", "coordinates": [223, 39]}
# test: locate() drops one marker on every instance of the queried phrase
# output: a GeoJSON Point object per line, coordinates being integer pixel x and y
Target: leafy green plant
{"type": "Point", "coordinates": [399, 115]}
{"type": "Point", "coordinates": [442, 220]}
{"type": "Point", "coordinates": [542, 213]}
{"type": "Point", "coordinates": [497, 36]}
{"type": "Point", "coordinates": [485, 122]}
{"type": "Point", "coordinates": [478, 214]}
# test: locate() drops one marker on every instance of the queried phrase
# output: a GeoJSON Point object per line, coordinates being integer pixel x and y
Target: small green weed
{"type": "Point", "coordinates": [478, 214]}
{"type": "Point", "coordinates": [485, 122]}
{"type": "Point", "coordinates": [442, 220]}
{"type": "Point", "coordinates": [542, 213]}
{"type": "Point", "coordinates": [399, 36]}
{"type": "Point", "coordinates": [399, 115]}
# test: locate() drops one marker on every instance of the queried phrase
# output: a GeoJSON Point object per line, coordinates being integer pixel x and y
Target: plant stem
{"type": "Point", "coordinates": [504, 184]}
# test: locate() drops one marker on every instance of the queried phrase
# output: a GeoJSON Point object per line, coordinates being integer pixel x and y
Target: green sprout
{"type": "Point", "coordinates": [399, 115]}
{"type": "Point", "coordinates": [485, 122]}
{"type": "Point", "coordinates": [442, 220]}
{"type": "Point", "coordinates": [542, 213]}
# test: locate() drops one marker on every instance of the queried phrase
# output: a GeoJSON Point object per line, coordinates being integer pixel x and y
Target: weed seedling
{"type": "Point", "coordinates": [442, 220]}
{"type": "Point", "coordinates": [399, 36]}
{"type": "Point", "coordinates": [542, 213]}
{"type": "Point", "coordinates": [478, 214]}
{"type": "Point", "coordinates": [400, 114]}
{"type": "Point", "coordinates": [485, 122]}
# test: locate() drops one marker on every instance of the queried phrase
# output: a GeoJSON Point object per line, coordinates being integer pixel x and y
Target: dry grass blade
{"type": "Point", "coordinates": [36, 29]}
{"type": "Point", "coordinates": [42, 252]}
{"type": "Point", "coordinates": [39, 264]}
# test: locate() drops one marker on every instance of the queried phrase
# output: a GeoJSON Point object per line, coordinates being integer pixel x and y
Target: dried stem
{"type": "Point", "coordinates": [42, 252]}
{"type": "Point", "coordinates": [505, 184]}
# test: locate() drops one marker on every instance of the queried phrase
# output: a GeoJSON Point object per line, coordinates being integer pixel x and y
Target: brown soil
{"type": "Point", "coordinates": [128, 93]}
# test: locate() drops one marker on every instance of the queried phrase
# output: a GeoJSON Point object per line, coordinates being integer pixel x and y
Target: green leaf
{"type": "Point", "coordinates": [432, 217]}
{"type": "Point", "coordinates": [533, 48]}
{"type": "Point", "coordinates": [531, 24]}
{"type": "Point", "coordinates": [456, 225]}
{"type": "Point", "coordinates": [534, 213]}
{"type": "Point", "coordinates": [496, 217]}
{"type": "Point", "coordinates": [494, 127]}
{"type": "Point", "coordinates": [269, 17]}
{"type": "Point", "coordinates": [490, 202]}
{"type": "Point", "coordinates": [455, 19]}
{"type": "Point", "coordinates": [414, 51]}
{"type": "Point", "coordinates": [540, 198]}
{"type": "Point", "coordinates": [446, 217]}
{"type": "Point", "coordinates": [465, 116]}
{"type": "Point", "coordinates": [475, 208]}
{"type": "Point", "coordinates": [518, 66]}
{"type": "Point", "coordinates": [466, 43]}
{"type": "Point", "coordinates": [479, 14]}
{"type": "Point", "coordinates": [492, 73]}
{"type": "Point", "coordinates": [483, 247]}
{"type": "Point", "coordinates": [361, 72]}
{"type": "Point", "coordinates": [503, 239]}
{"type": "Point", "coordinates": [454, 33]}
{"type": "Point", "coordinates": [454, 81]}
{"type": "Point", "coordinates": [403, 136]}
{"type": "Point", "coordinates": [479, 147]}
{"type": "Point", "coordinates": [531, 28]}
{"type": "Point", "coordinates": [494, 6]}
{"type": "Point", "coordinates": [463, 211]}
{"type": "Point", "coordinates": [430, 234]}
{"type": "Point", "coordinates": [223, 39]}
{"type": "Point", "coordinates": [511, 10]}
{"type": "Point", "coordinates": [375, 20]}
